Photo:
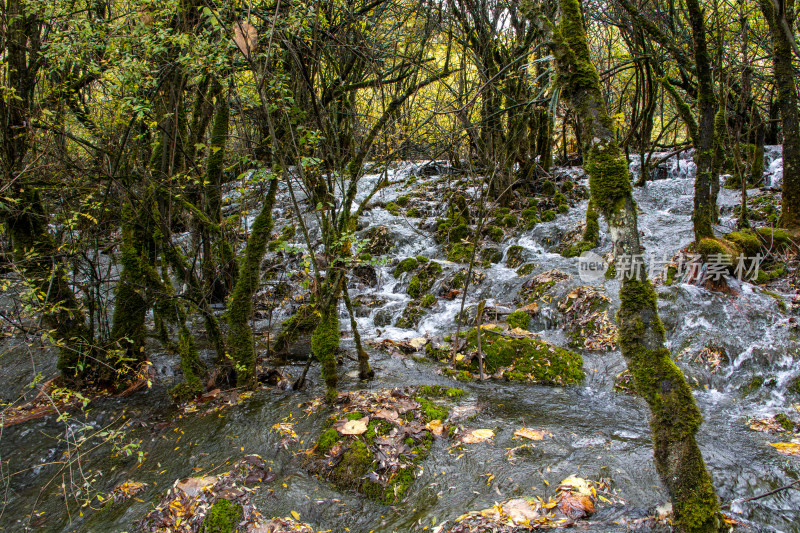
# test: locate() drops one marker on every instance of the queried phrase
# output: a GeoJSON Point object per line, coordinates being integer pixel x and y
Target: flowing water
{"type": "Point", "coordinates": [596, 432]}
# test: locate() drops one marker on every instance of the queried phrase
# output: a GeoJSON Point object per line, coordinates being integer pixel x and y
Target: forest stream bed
{"type": "Point", "coordinates": [430, 456]}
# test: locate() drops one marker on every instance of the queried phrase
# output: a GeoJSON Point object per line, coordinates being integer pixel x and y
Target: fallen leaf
{"type": "Point", "coordinates": [522, 511]}
{"type": "Point", "coordinates": [477, 435]}
{"type": "Point", "coordinates": [418, 342]}
{"type": "Point", "coordinates": [354, 427]}
{"type": "Point", "coordinates": [787, 448]}
{"type": "Point", "coordinates": [435, 426]}
{"type": "Point", "coordinates": [194, 485]}
{"type": "Point", "coordinates": [386, 414]}
{"type": "Point", "coordinates": [532, 434]}
{"type": "Point", "coordinates": [296, 515]}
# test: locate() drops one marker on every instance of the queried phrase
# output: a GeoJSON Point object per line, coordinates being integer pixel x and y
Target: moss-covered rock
{"type": "Point", "coordinates": [548, 216]}
{"type": "Point", "coordinates": [526, 269]}
{"type": "Point", "coordinates": [494, 233]}
{"type": "Point", "coordinates": [491, 255]}
{"type": "Point", "coordinates": [223, 517]}
{"type": "Point", "coordinates": [406, 265]}
{"type": "Point", "coordinates": [514, 256]}
{"type": "Point", "coordinates": [518, 319]}
{"type": "Point", "coordinates": [548, 188]}
{"type": "Point", "coordinates": [393, 208]}
{"type": "Point", "coordinates": [379, 461]}
{"type": "Point", "coordinates": [460, 253]}
{"type": "Point", "coordinates": [746, 240]}
{"type": "Point", "coordinates": [523, 358]}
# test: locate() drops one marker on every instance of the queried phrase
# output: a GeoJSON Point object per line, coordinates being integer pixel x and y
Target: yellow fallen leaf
{"type": "Point", "coordinates": [296, 515]}
{"type": "Point", "coordinates": [435, 426]}
{"type": "Point", "coordinates": [787, 448]}
{"type": "Point", "coordinates": [477, 435]}
{"type": "Point", "coordinates": [532, 434]}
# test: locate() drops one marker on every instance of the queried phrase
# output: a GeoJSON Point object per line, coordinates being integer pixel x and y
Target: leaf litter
{"type": "Point", "coordinates": [575, 499]}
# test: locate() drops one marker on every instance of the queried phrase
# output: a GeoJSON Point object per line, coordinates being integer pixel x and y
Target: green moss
{"type": "Point", "coordinates": [518, 319]}
{"type": "Point", "coordinates": [403, 201]}
{"type": "Point", "coordinates": [414, 287]}
{"type": "Point", "coordinates": [793, 386]}
{"type": "Point", "coordinates": [423, 260]}
{"type": "Point", "coordinates": [510, 221]}
{"type": "Point", "coordinates": [406, 265]}
{"type": "Point", "coordinates": [393, 208]}
{"type": "Point", "coordinates": [327, 440]}
{"type": "Point", "coordinates": [526, 359]}
{"type": "Point", "coordinates": [578, 248]}
{"type": "Point", "coordinates": [491, 255]}
{"type": "Point", "coordinates": [752, 386]}
{"type": "Point", "coordinates": [746, 240]}
{"type": "Point", "coordinates": [222, 517]}
{"type": "Point", "coordinates": [526, 269]}
{"type": "Point", "coordinates": [548, 216]}
{"type": "Point", "coordinates": [432, 411]}
{"type": "Point", "coordinates": [548, 188]}
{"type": "Point", "coordinates": [428, 300]}
{"type": "Point", "coordinates": [458, 375]}
{"type": "Point", "coordinates": [304, 320]}
{"type": "Point", "coordinates": [785, 422]}
{"type": "Point", "coordinates": [567, 186]}
{"type": "Point", "coordinates": [776, 239]}
{"type": "Point", "coordinates": [410, 317]}
{"type": "Point", "coordinates": [354, 465]}
{"type": "Point", "coordinates": [440, 391]}
{"type": "Point", "coordinates": [460, 253]}
{"type": "Point", "coordinates": [708, 247]}
{"type": "Point", "coordinates": [413, 212]}
{"type": "Point", "coordinates": [609, 178]}
{"type": "Point", "coordinates": [324, 343]}
{"type": "Point", "coordinates": [514, 256]}
{"type": "Point", "coordinates": [494, 233]}
{"type": "Point", "coordinates": [560, 199]}
{"type": "Point", "coordinates": [563, 208]}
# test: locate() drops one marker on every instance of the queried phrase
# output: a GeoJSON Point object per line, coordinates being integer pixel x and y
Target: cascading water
{"type": "Point", "coordinates": [596, 432]}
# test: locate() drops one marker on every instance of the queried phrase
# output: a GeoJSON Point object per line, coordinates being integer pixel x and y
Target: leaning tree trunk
{"type": "Point", "coordinates": [674, 418]}
{"type": "Point", "coordinates": [780, 22]}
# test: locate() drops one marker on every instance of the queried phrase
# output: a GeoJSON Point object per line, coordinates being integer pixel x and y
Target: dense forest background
{"type": "Point", "coordinates": [146, 147]}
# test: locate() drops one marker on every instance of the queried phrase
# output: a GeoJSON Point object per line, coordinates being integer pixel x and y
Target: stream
{"type": "Point", "coordinates": [596, 431]}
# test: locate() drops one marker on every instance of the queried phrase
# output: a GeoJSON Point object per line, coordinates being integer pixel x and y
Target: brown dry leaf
{"type": "Point", "coordinates": [522, 511]}
{"type": "Point", "coordinates": [353, 427]}
{"type": "Point", "coordinates": [787, 448]}
{"type": "Point", "coordinates": [386, 414]}
{"type": "Point", "coordinates": [576, 497]}
{"type": "Point", "coordinates": [245, 36]}
{"type": "Point", "coordinates": [764, 424]}
{"type": "Point", "coordinates": [531, 309]}
{"type": "Point", "coordinates": [435, 426]}
{"type": "Point", "coordinates": [194, 485]}
{"type": "Point", "coordinates": [477, 435]}
{"type": "Point", "coordinates": [532, 434]}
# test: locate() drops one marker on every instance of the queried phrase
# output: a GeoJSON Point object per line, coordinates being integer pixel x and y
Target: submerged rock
{"type": "Point", "coordinates": [518, 355]}
{"type": "Point", "coordinates": [373, 444]}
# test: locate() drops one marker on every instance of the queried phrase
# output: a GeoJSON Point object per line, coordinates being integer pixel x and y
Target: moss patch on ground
{"type": "Point", "coordinates": [519, 357]}
{"type": "Point", "coordinates": [377, 438]}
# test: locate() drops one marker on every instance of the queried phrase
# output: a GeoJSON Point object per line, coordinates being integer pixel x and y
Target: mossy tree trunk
{"type": "Point", "coordinates": [780, 17]}
{"type": "Point", "coordinates": [675, 418]}
{"type": "Point", "coordinates": [217, 252]}
{"type": "Point", "coordinates": [703, 213]}
{"type": "Point", "coordinates": [241, 347]}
